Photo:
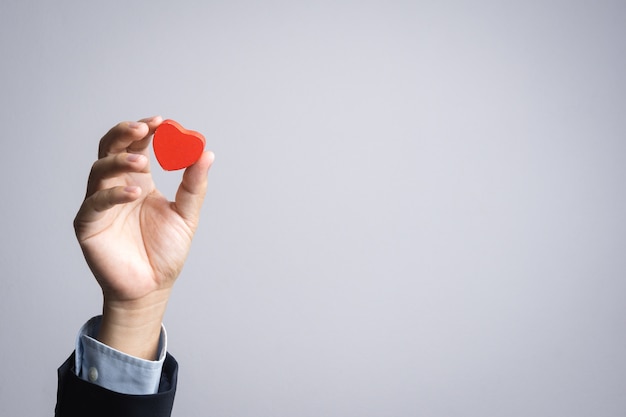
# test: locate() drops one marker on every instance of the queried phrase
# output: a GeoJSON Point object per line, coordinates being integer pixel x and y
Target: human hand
{"type": "Point", "coordinates": [135, 240]}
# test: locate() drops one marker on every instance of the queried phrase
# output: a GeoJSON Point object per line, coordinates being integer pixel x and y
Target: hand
{"type": "Point", "coordinates": [135, 240]}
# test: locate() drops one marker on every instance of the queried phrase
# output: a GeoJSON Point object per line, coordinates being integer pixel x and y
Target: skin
{"type": "Point", "coordinates": [134, 240]}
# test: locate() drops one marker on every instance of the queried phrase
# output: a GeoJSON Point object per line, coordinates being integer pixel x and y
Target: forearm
{"type": "Point", "coordinates": [134, 326]}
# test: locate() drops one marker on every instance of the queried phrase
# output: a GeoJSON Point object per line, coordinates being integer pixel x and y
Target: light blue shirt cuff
{"type": "Point", "coordinates": [114, 370]}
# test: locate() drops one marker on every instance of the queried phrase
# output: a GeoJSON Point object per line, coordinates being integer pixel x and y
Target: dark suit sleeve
{"type": "Point", "coordinates": [79, 398]}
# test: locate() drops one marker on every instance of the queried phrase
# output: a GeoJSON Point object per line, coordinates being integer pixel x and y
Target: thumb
{"type": "Point", "coordinates": [192, 189]}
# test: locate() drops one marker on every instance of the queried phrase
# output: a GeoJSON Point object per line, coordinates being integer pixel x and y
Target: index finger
{"type": "Point", "coordinates": [128, 137]}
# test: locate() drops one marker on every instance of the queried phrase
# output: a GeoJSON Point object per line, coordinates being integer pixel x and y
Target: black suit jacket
{"type": "Point", "coordinates": [79, 398]}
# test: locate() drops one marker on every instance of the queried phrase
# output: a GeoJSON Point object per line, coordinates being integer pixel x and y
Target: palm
{"type": "Point", "coordinates": [138, 247]}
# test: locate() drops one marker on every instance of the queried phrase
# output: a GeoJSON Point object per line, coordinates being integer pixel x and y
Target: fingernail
{"type": "Point", "coordinates": [134, 157]}
{"type": "Point", "coordinates": [212, 160]}
{"type": "Point", "coordinates": [133, 125]}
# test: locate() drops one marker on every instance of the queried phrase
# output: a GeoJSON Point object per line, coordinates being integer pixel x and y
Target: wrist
{"type": "Point", "coordinates": [134, 326]}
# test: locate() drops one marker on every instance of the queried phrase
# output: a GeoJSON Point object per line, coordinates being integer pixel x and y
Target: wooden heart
{"type": "Point", "coordinates": [176, 147]}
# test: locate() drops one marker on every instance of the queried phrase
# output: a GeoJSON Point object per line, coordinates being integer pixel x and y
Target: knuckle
{"type": "Point", "coordinates": [121, 159]}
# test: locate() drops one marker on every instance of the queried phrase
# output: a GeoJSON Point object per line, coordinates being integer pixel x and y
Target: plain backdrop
{"type": "Point", "coordinates": [416, 209]}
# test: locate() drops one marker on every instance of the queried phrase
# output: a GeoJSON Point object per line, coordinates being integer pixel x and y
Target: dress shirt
{"type": "Point", "coordinates": [116, 371]}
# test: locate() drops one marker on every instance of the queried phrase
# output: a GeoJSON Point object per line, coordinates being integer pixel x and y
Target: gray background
{"type": "Point", "coordinates": [417, 208]}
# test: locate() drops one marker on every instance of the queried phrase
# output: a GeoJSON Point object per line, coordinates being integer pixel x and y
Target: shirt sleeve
{"type": "Point", "coordinates": [114, 370]}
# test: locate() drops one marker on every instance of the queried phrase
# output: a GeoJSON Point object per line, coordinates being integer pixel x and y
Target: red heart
{"type": "Point", "coordinates": [176, 147]}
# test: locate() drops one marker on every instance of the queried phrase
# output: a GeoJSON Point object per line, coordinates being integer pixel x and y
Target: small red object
{"type": "Point", "coordinates": [176, 147]}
